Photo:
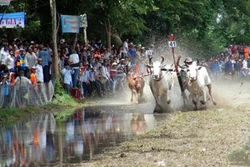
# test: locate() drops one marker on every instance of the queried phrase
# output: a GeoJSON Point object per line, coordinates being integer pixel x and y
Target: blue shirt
{"type": "Point", "coordinates": [44, 55]}
{"type": "Point", "coordinates": [6, 88]}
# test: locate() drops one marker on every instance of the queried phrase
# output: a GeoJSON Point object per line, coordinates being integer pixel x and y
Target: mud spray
{"type": "Point", "coordinates": [227, 91]}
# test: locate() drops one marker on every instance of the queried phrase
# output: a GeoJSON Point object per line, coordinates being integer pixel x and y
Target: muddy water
{"type": "Point", "coordinates": [41, 141]}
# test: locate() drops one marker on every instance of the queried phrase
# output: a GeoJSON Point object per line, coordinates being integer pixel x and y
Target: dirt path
{"type": "Point", "coordinates": [201, 138]}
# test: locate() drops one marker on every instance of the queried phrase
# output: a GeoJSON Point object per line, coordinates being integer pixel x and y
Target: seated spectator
{"type": "Point", "coordinates": [94, 83]}
{"type": "Point", "coordinates": [101, 78]}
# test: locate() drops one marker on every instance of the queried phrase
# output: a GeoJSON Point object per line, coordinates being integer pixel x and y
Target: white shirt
{"type": "Point", "coordinates": [244, 64]}
{"type": "Point", "coordinates": [125, 47]}
{"type": "Point", "coordinates": [10, 62]}
{"type": "Point", "coordinates": [39, 73]}
{"type": "Point", "coordinates": [4, 55]}
{"type": "Point", "coordinates": [149, 52]}
{"type": "Point", "coordinates": [74, 58]}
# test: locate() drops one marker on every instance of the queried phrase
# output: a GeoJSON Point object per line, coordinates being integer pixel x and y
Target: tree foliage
{"type": "Point", "coordinates": [206, 24]}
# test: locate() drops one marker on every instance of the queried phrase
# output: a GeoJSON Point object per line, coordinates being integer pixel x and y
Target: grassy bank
{"type": "Point", "coordinates": [62, 106]}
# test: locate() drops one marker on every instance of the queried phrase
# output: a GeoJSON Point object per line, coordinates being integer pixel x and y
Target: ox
{"type": "Point", "coordinates": [196, 82]}
{"type": "Point", "coordinates": [160, 83]}
{"type": "Point", "coordinates": [136, 84]}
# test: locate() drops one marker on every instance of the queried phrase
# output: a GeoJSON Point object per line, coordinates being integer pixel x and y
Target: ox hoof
{"type": "Point", "coordinates": [215, 103]}
{"type": "Point", "coordinates": [157, 109]}
{"type": "Point", "coordinates": [131, 100]}
{"type": "Point", "coordinates": [203, 102]}
{"type": "Point", "coordinates": [169, 101]}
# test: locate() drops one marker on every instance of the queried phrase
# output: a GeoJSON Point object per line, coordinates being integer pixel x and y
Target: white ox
{"type": "Point", "coordinates": [197, 81]}
{"type": "Point", "coordinates": [160, 83]}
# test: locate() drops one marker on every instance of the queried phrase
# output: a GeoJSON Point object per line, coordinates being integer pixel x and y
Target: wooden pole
{"type": "Point", "coordinates": [85, 35]}
{"type": "Point", "coordinates": [178, 72]}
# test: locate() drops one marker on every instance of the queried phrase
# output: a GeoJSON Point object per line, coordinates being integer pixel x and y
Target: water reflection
{"type": "Point", "coordinates": [42, 141]}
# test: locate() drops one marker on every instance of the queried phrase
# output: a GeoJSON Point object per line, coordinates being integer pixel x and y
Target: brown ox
{"type": "Point", "coordinates": [136, 84]}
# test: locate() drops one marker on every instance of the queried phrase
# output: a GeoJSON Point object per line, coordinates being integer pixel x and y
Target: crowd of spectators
{"type": "Point", "coordinates": [233, 62]}
{"type": "Point", "coordinates": [94, 69]}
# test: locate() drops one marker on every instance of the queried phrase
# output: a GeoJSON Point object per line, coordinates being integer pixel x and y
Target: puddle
{"type": "Point", "coordinates": [41, 141]}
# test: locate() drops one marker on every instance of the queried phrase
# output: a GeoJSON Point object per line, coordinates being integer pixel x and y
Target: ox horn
{"type": "Point", "coordinates": [162, 59]}
{"type": "Point", "coordinates": [148, 66]}
{"type": "Point", "coordinates": [198, 62]}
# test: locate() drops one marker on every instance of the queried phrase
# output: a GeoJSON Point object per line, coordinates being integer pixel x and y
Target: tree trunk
{"type": "Point", "coordinates": [73, 46]}
{"type": "Point", "coordinates": [55, 72]}
{"type": "Point", "coordinates": [108, 33]}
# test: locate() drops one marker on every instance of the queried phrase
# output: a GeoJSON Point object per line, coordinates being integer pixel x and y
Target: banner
{"type": "Point", "coordinates": [70, 24]}
{"type": "Point", "coordinates": [12, 20]}
{"type": "Point", "coordinates": [4, 2]}
{"type": "Point", "coordinates": [83, 21]}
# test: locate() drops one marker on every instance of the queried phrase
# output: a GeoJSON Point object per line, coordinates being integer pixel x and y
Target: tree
{"type": "Point", "coordinates": [54, 40]}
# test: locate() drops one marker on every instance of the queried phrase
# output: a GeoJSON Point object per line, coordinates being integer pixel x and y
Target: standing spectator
{"type": "Point", "coordinates": [67, 78]}
{"type": "Point", "coordinates": [44, 55]}
{"type": "Point", "coordinates": [150, 52]}
{"type": "Point", "coordinates": [33, 78]}
{"type": "Point", "coordinates": [124, 51]}
{"type": "Point", "coordinates": [84, 78]}
{"type": "Point", "coordinates": [229, 67]}
{"type": "Point", "coordinates": [21, 62]}
{"type": "Point", "coordinates": [4, 53]}
{"type": "Point", "coordinates": [10, 61]}
{"type": "Point", "coordinates": [244, 64]}
{"type": "Point", "coordinates": [215, 67]}
{"type": "Point", "coordinates": [61, 60]}
{"type": "Point", "coordinates": [132, 52]}
{"type": "Point", "coordinates": [39, 71]}
{"type": "Point", "coordinates": [237, 66]}
{"type": "Point", "coordinates": [30, 58]}
{"type": "Point", "coordinates": [245, 49]}
{"type": "Point", "coordinates": [74, 63]}
{"type": "Point", "coordinates": [20, 47]}
{"type": "Point", "coordinates": [5, 84]}
{"type": "Point", "coordinates": [113, 75]}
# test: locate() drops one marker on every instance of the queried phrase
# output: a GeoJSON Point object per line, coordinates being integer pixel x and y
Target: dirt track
{"type": "Point", "coordinates": [194, 138]}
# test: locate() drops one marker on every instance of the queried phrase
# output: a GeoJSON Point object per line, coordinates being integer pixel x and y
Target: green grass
{"type": "Point", "coordinates": [62, 105]}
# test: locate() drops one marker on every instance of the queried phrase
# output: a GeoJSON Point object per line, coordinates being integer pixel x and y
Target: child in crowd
{"type": "Point", "coordinates": [5, 85]}
{"type": "Point", "coordinates": [67, 79]}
